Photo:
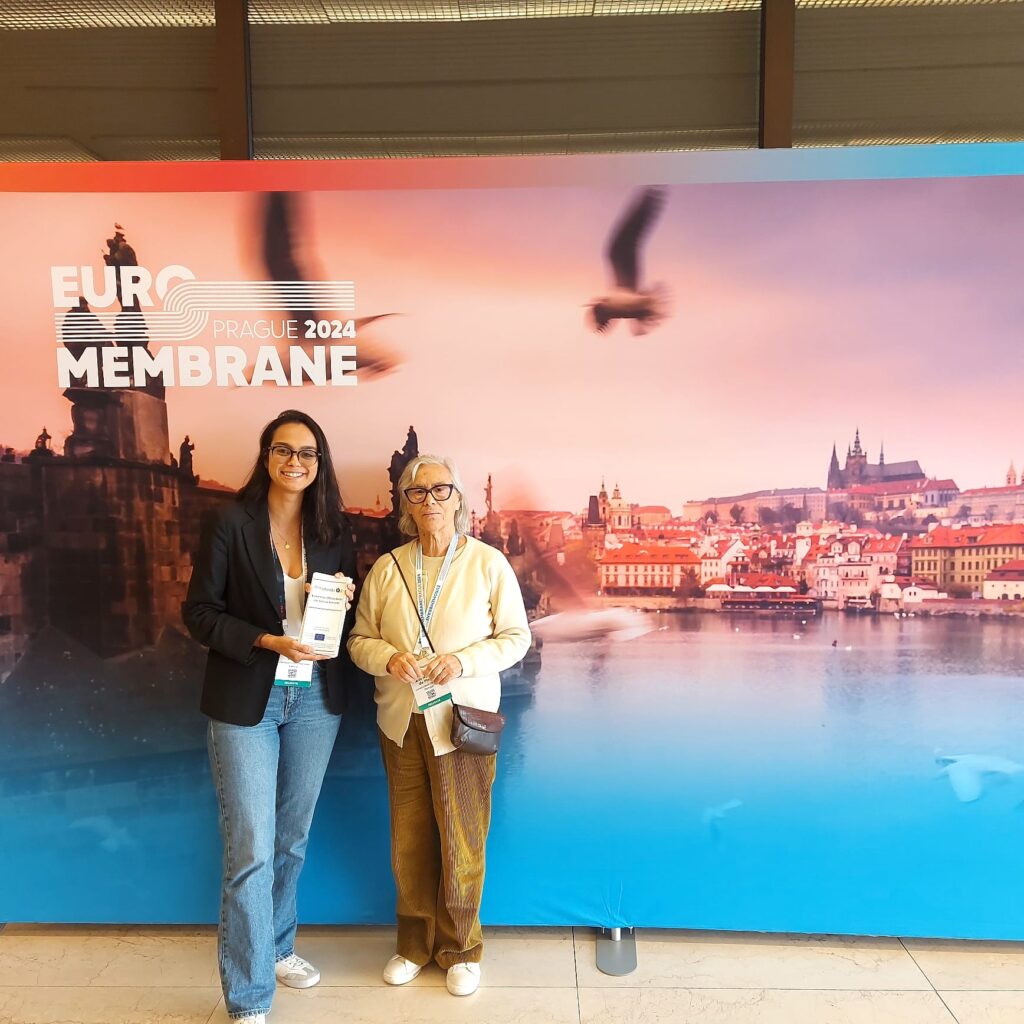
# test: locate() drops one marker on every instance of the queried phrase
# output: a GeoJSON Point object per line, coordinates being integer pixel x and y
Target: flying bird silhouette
{"type": "Point", "coordinates": [967, 772]}
{"type": "Point", "coordinates": [627, 300]}
{"type": "Point", "coordinates": [105, 832]}
{"type": "Point", "coordinates": [574, 615]}
{"type": "Point", "coordinates": [281, 261]}
{"type": "Point", "coordinates": [618, 624]}
{"type": "Point", "coordinates": [713, 817]}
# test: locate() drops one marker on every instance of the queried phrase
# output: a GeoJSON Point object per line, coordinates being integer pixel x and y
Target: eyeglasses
{"type": "Point", "coordinates": [418, 495]}
{"type": "Point", "coordinates": [307, 456]}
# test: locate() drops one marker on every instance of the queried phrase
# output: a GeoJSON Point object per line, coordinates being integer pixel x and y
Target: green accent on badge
{"type": "Point", "coordinates": [439, 700]}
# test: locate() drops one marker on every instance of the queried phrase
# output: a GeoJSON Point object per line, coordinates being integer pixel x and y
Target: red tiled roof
{"type": "Point", "coordinates": [1008, 571]}
{"type": "Point", "coordinates": [892, 487]}
{"type": "Point", "coordinates": [639, 554]}
{"type": "Point", "coordinates": [883, 545]}
{"type": "Point", "coordinates": [768, 579]}
{"type": "Point", "coordinates": [531, 513]}
{"type": "Point", "coordinates": [755, 579]}
{"type": "Point", "coordinates": [974, 536]}
{"type": "Point", "coordinates": [981, 492]}
{"type": "Point", "coordinates": [902, 487]}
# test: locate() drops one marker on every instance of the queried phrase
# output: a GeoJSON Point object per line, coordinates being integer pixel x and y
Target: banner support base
{"type": "Point", "coordinates": [616, 951]}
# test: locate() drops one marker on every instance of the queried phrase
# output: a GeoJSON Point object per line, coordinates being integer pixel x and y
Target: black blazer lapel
{"type": "Point", "coordinates": [256, 534]}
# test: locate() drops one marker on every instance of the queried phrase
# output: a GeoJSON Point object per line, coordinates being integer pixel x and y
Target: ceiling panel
{"type": "Point", "coordinates": [329, 12]}
{"type": "Point", "coordinates": [104, 87]}
{"type": "Point", "coordinates": [40, 148]}
{"type": "Point", "coordinates": [135, 79]}
{"type": "Point", "coordinates": [833, 4]}
{"type": "Point", "coordinates": [354, 147]}
{"type": "Point", "coordinates": [902, 73]}
{"type": "Point", "coordinates": [58, 14]}
{"type": "Point", "coordinates": [596, 79]}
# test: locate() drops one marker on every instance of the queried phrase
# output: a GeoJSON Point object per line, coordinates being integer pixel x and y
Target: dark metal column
{"type": "Point", "coordinates": [775, 113]}
{"type": "Point", "coordinates": [234, 80]}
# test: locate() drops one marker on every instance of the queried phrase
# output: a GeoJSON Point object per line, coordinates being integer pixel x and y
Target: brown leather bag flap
{"type": "Point", "coordinates": [485, 721]}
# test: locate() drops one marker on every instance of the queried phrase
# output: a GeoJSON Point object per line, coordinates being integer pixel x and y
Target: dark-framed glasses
{"type": "Point", "coordinates": [418, 495]}
{"type": "Point", "coordinates": [307, 456]}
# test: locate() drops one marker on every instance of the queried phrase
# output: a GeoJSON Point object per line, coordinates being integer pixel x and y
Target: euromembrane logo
{"type": "Point", "coordinates": [171, 309]}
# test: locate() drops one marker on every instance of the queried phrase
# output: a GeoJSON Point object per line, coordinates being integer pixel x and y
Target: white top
{"type": "Point", "coordinates": [294, 603]}
{"type": "Point", "coordinates": [479, 618]}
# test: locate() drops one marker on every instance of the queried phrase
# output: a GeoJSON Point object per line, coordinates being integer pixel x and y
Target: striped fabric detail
{"type": "Point", "coordinates": [440, 815]}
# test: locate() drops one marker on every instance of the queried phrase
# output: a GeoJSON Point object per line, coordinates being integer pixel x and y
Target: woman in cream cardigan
{"type": "Point", "coordinates": [440, 797]}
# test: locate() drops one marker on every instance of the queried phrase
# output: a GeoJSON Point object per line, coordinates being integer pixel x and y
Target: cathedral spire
{"type": "Point", "coordinates": [835, 477]}
{"type": "Point", "coordinates": [881, 454]}
{"type": "Point", "coordinates": [857, 450]}
{"type": "Point", "coordinates": [1011, 475]}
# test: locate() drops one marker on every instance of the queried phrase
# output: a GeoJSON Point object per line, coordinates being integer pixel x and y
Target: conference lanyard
{"type": "Point", "coordinates": [279, 570]}
{"type": "Point", "coordinates": [427, 613]}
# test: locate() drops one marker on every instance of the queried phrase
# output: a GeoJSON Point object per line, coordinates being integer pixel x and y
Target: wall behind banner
{"type": "Point", "coordinates": [779, 684]}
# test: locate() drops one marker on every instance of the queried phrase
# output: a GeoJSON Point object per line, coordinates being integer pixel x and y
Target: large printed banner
{"type": "Point", "coordinates": [746, 425]}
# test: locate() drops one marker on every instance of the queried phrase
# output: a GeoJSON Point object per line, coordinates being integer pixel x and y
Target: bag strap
{"type": "Point", "coordinates": [415, 603]}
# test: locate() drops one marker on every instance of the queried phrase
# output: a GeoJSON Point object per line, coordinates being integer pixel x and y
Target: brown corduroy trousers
{"type": "Point", "coordinates": [440, 814]}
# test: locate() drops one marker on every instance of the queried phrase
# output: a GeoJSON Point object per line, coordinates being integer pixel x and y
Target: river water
{"type": "Point", "coordinates": [718, 772]}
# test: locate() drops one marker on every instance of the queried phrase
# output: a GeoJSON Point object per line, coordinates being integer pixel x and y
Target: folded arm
{"type": "Point", "coordinates": [511, 637]}
{"type": "Point", "coordinates": [204, 610]}
{"type": "Point", "coordinates": [368, 650]}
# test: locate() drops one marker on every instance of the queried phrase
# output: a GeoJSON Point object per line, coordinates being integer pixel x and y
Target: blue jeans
{"type": "Point", "coordinates": [268, 778]}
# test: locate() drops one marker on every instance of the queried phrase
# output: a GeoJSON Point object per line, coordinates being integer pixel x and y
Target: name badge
{"type": "Point", "coordinates": [428, 694]}
{"type": "Point", "coordinates": [292, 673]}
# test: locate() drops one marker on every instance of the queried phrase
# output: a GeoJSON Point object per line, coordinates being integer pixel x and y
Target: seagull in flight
{"type": "Point", "coordinates": [617, 624]}
{"type": "Point", "coordinates": [627, 300]}
{"type": "Point", "coordinates": [967, 772]}
{"type": "Point", "coordinates": [713, 817]}
{"type": "Point", "coordinates": [281, 261]}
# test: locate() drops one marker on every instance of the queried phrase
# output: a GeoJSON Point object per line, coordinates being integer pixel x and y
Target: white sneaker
{"type": "Point", "coordinates": [260, 1018]}
{"type": "Point", "coordinates": [463, 979]}
{"type": "Point", "coordinates": [295, 972]}
{"type": "Point", "coordinates": [399, 971]}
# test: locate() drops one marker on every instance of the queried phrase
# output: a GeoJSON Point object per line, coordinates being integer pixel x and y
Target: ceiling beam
{"type": "Point", "coordinates": [234, 80]}
{"type": "Point", "coordinates": [775, 109]}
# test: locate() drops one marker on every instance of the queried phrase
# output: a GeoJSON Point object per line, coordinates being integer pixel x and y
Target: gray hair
{"type": "Point", "coordinates": [406, 523]}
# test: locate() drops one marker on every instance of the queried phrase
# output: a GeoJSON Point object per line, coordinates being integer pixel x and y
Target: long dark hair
{"type": "Point", "coordinates": [321, 500]}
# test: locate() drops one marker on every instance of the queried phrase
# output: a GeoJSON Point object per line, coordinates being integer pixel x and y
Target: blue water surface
{"type": "Point", "coordinates": [717, 773]}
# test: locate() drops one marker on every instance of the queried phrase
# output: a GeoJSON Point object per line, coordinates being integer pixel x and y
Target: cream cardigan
{"type": "Point", "coordinates": [479, 618]}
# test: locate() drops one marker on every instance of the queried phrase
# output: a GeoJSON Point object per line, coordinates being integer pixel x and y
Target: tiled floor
{"type": "Point", "coordinates": [79, 975]}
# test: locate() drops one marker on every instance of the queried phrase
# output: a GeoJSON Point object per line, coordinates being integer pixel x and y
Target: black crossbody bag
{"type": "Point", "coordinates": [473, 731]}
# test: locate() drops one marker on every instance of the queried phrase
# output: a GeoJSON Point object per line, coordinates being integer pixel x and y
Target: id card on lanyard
{"type": "Point", "coordinates": [288, 672]}
{"type": "Point", "coordinates": [425, 693]}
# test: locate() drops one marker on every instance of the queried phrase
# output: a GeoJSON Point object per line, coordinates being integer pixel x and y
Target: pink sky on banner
{"type": "Point", "coordinates": [800, 311]}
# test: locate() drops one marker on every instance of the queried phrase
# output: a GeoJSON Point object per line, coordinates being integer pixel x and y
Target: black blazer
{"type": "Point", "coordinates": [233, 597]}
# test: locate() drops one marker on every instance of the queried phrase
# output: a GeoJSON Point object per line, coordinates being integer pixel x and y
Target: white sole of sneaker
{"type": "Point", "coordinates": [403, 981]}
{"type": "Point", "coordinates": [300, 982]}
{"type": "Point", "coordinates": [467, 987]}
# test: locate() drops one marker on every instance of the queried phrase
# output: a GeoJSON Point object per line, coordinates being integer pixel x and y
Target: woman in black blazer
{"type": "Point", "coordinates": [270, 737]}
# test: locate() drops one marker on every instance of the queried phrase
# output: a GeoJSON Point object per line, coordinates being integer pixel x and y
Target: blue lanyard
{"type": "Point", "coordinates": [279, 569]}
{"type": "Point", "coordinates": [427, 613]}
